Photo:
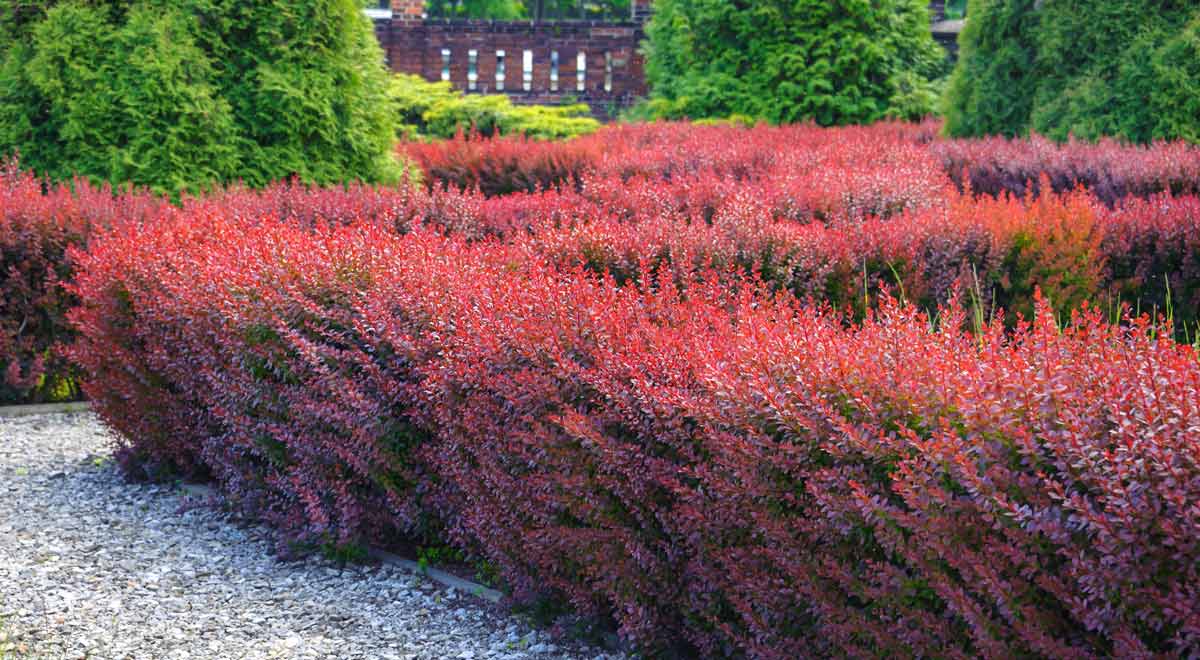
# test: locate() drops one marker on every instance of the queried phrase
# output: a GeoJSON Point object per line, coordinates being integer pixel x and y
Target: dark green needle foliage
{"type": "Point", "coordinates": [831, 61]}
{"type": "Point", "coordinates": [1083, 68]}
{"type": "Point", "coordinates": [183, 94]}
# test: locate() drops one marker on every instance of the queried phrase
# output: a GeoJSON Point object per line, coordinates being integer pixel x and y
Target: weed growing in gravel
{"type": "Point", "coordinates": [8, 647]}
{"type": "Point", "coordinates": [345, 553]}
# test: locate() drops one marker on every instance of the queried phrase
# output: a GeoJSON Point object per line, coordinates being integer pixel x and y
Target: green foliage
{"type": "Point", "coordinates": [832, 61]}
{"type": "Point", "coordinates": [742, 121]}
{"type": "Point", "coordinates": [1088, 69]}
{"type": "Point", "coordinates": [989, 91]}
{"type": "Point", "coordinates": [182, 95]}
{"type": "Point", "coordinates": [501, 10]}
{"type": "Point", "coordinates": [436, 110]}
{"type": "Point", "coordinates": [507, 10]}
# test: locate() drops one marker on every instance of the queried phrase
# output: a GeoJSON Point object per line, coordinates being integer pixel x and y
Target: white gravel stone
{"type": "Point", "coordinates": [94, 567]}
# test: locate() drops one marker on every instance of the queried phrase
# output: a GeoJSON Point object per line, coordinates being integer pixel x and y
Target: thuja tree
{"type": "Point", "coordinates": [181, 94]}
{"type": "Point", "coordinates": [831, 61]}
{"type": "Point", "coordinates": [1089, 68]}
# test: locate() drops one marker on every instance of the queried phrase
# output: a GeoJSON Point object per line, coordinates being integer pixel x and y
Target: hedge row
{"type": "Point", "coordinates": [1144, 253]}
{"type": "Point", "coordinates": [1111, 170]}
{"type": "Point", "coordinates": [37, 228]}
{"type": "Point", "coordinates": [719, 470]}
{"type": "Point", "coordinates": [830, 214]}
{"type": "Point", "coordinates": [39, 223]}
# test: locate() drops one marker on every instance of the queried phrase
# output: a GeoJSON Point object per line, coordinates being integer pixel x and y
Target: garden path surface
{"type": "Point", "coordinates": [94, 567]}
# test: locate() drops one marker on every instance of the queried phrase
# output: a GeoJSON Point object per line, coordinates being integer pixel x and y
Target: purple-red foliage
{"type": "Point", "coordinates": [715, 469]}
{"type": "Point", "coordinates": [640, 393]}
{"type": "Point", "coordinates": [36, 230]}
{"type": "Point", "coordinates": [39, 222]}
{"type": "Point", "coordinates": [1110, 169]}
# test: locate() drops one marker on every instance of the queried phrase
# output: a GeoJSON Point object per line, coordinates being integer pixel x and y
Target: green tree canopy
{"type": "Point", "coordinates": [832, 61]}
{"type": "Point", "coordinates": [182, 94]}
{"type": "Point", "coordinates": [1088, 68]}
{"type": "Point", "coordinates": [507, 10]}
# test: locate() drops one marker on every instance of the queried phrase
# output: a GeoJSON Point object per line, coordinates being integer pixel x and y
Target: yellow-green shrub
{"type": "Point", "coordinates": [435, 109]}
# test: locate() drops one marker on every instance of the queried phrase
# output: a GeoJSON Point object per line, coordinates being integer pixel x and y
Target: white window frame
{"type": "Point", "coordinates": [554, 70]}
{"type": "Point", "coordinates": [472, 69]}
{"type": "Point", "coordinates": [527, 70]}
{"type": "Point", "coordinates": [379, 12]}
{"type": "Point", "coordinates": [501, 69]}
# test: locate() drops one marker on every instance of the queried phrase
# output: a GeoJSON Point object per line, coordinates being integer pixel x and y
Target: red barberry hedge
{"type": "Point", "coordinates": [826, 213]}
{"type": "Point", "coordinates": [769, 392]}
{"type": "Point", "coordinates": [720, 471]}
{"type": "Point", "coordinates": [39, 222]}
{"type": "Point", "coordinates": [1110, 169]}
{"type": "Point", "coordinates": [37, 228]}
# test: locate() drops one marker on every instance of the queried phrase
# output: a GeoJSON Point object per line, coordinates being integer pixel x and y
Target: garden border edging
{"type": "Point", "coordinates": [26, 410]}
{"type": "Point", "coordinates": [385, 557]}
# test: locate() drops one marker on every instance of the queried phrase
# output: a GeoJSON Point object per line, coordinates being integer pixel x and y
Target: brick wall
{"type": "Point", "coordinates": [613, 76]}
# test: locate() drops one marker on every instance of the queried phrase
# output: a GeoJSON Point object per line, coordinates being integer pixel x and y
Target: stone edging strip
{"type": "Point", "coordinates": [446, 579]}
{"type": "Point", "coordinates": [383, 556]}
{"type": "Point", "coordinates": [44, 409]}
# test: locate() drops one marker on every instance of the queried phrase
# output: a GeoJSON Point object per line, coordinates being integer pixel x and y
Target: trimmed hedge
{"type": "Point", "coordinates": [992, 166]}
{"type": "Point", "coordinates": [719, 471]}
{"type": "Point", "coordinates": [1110, 170]}
{"type": "Point", "coordinates": [41, 222]}
{"type": "Point", "coordinates": [37, 230]}
{"type": "Point", "coordinates": [834, 215]}
{"type": "Point", "coordinates": [677, 394]}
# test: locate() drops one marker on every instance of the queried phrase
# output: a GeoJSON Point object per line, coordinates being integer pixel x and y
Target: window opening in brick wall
{"type": "Point", "coordinates": [608, 71]}
{"type": "Point", "coordinates": [379, 9]}
{"type": "Point", "coordinates": [499, 71]}
{"type": "Point", "coordinates": [527, 70]}
{"type": "Point", "coordinates": [554, 70]}
{"type": "Point", "coordinates": [446, 64]}
{"type": "Point", "coordinates": [472, 69]}
{"type": "Point", "coordinates": [581, 71]}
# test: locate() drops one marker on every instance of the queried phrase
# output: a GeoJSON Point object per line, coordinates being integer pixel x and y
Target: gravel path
{"type": "Point", "coordinates": [93, 567]}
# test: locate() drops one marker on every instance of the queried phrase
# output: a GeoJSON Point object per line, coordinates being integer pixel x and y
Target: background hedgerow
{"type": "Point", "coordinates": [1111, 170]}
{"type": "Point", "coordinates": [1001, 249]}
{"type": "Point", "coordinates": [500, 166]}
{"type": "Point", "coordinates": [907, 153]}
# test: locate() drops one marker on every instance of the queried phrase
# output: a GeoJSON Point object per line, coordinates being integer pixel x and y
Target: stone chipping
{"type": "Point", "coordinates": [92, 566]}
